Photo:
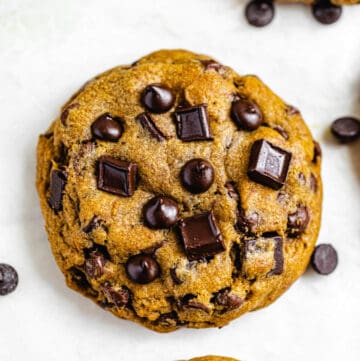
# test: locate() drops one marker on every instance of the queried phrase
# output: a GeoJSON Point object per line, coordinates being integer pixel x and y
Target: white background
{"type": "Point", "coordinates": [50, 48]}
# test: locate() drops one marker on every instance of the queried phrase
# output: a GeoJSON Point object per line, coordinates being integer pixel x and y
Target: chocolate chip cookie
{"type": "Point", "coordinates": [177, 193]}
{"type": "Point", "coordinates": [213, 358]}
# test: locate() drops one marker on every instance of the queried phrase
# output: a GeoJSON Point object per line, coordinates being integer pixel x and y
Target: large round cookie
{"type": "Point", "coordinates": [179, 193]}
{"type": "Point", "coordinates": [213, 358]}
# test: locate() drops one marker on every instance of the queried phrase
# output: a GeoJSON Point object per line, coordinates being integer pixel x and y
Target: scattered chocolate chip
{"type": "Point", "coordinates": [58, 180]}
{"type": "Point", "coordinates": [62, 155]}
{"type": "Point", "coordinates": [174, 276]}
{"type": "Point", "coordinates": [170, 319]}
{"type": "Point", "coordinates": [278, 257]}
{"type": "Point", "coordinates": [302, 178]}
{"type": "Point", "coordinates": [107, 128]}
{"type": "Point", "coordinates": [117, 176]}
{"type": "Point", "coordinates": [245, 223]}
{"type": "Point", "coordinates": [281, 131]}
{"type": "Point", "coordinates": [48, 135]}
{"type": "Point", "coordinates": [324, 259]}
{"type": "Point", "coordinates": [246, 114]}
{"type": "Point", "coordinates": [157, 98]}
{"type": "Point", "coordinates": [291, 110]}
{"type": "Point", "coordinates": [317, 151]}
{"type": "Point", "coordinates": [192, 123]}
{"type": "Point", "coordinates": [160, 212]}
{"type": "Point", "coordinates": [201, 236]}
{"type": "Point", "coordinates": [188, 301]}
{"type": "Point", "coordinates": [118, 297]}
{"type": "Point", "coordinates": [79, 279]}
{"type": "Point", "coordinates": [197, 175]}
{"type": "Point", "coordinates": [346, 129]}
{"type": "Point", "coordinates": [313, 183]}
{"type": "Point", "coordinates": [148, 124]}
{"type": "Point", "coordinates": [153, 248]}
{"type": "Point", "coordinates": [9, 279]}
{"type": "Point", "coordinates": [65, 112]}
{"type": "Point", "coordinates": [235, 255]}
{"type": "Point", "coordinates": [95, 263]}
{"type": "Point", "coordinates": [232, 192]}
{"type": "Point", "coordinates": [94, 223]}
{"type": "Point", "coordinates": [228, 300]}
{"type": "Point", "coordinates": [260, 13]}
{"type": "Point", "coordinates": [142, 269]}
{"type": "Point", "coordinates": [325, 12]}
{"type": "Point", "coordinates": [298, 221]}
{"type": "Point", "coordinates": [211, 65]}
{"type": "Point", "coordinates": [268, 164]}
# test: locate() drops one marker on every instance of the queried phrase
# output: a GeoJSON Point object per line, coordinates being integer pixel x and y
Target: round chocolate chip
{"type": "Point", "coordinates": [298, 221]}
{"type": "Point", "coordinates": [157, 98]}
{"type": "Point", "coordinates": [246, 114]}
{"type": "Point", "coordinates": [346, 129]}
{"type": "Point", "coordinates": [324, 259]}
{"type": "Point", "coordinates": [197, 175]}
{"type": "Point", "coordinates": [142, 268]}
{"type": "Point", "coordinates": [260, 13]}
{"type": "Point", "coordinates": [325, 12]}
{"type": "Point", "coordinates": [160, 212]}
{"type": "Point", "coordinates": [8, 279]}
{"type": "Point", "coordinates": [107, 128]}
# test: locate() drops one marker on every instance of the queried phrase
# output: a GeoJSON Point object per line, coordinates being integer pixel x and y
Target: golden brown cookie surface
{"type": "Point", "coordinates": [178, 193]}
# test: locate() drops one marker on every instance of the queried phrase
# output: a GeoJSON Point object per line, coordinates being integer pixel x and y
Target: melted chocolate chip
{"type": "Point", "coordinates": [94, 223]}
{"type": "Point", "coordinates": [58, 181]}
{"type": "Point", "coordinates": [170, 319]}
{"type": "Point", "coordinates": [117, 176]}
{"type": "Point", "coordinates": [246, 114]}
{"type": "Point", "coordinates": [160, 212]}
{"type": "Point", "coordinates": [201, 236]}
{"type": "Point", "coordinates": [188, 301]}
{"type": "Point", "coordinates": [192, 123]}
{"type": "Point", "coordinates": [325, 12]}
{"type": "Point", "coordinates": [95, 263]}
{"type": "Point", "coordinates": [197, 175]}
{"type": "Point", "coordinates": [142, 269]}
{"type": "Point", "coordinates": [281, 131]}
{"type": "Point", "coordinates": [324, 259]}
{"type": "Point", "coordinates": [118, 297]}
{"type": "Point", "coordinates": [9, 279]}
{"type": "Point", "coordinates": [268, 164]}
{"type": "Point", "coordinates": [157, 98]}
{"type": "Point", "coordinates": [245, 223]}
{"type": "Point", "coordinates": [148, 124]}
{"type": "Point", "coordinates": [79, 279]}
{"type": "Point", "coordinates": [228, 300]}
{"type": "Point", "coordinates": [107, 128]}
{"type": "Point", "coordinates": [212, 65]}
{"type": "Point", "coordinates": [317, 151]}
{"type": "Point", "coordinates": [260, 13]}
{"type": "Point", "coordinates": [298, 221]}
{"type": "Point", "coordinates": [175, 277]}
{"type": "Point", "coordinates": [65, 113]}
{"type": "Point", "coordinates": [346, 129]}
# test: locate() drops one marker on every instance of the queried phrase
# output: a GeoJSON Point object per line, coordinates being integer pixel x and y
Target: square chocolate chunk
{"type": "Point", "coordinates": [116, 176]}
{"type": "Point", "coordinates": [192, 123]}
{"type": "Point", "coordinates": [268, 164]}
{"type": "Point", "coordinates": [201, 236]}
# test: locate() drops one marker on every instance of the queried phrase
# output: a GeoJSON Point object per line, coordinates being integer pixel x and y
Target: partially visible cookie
{"type": "Point", "coordinates": [213, 358]}
{"type": "Point", "coordinates": [177, 193]}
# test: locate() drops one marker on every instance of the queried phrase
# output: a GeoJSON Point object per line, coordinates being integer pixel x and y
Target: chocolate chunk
{"type": "Point", "coordinates": [118, 297]}
{"type": "Point", "coordinates": [148, 124]}
{"type": "Point", "coordinates": [79, 279]}
{"type": "Point", "coordinates": [201, 236]}
{"type": "Point", "coordinates": [157, 98]}
{"type": "Point", "coordinates": [142, 269]}
{"type": "Point", "coordinates": [346, 129]}
{"type": "Point", "coordinates": [160, 212]}
{"type": "Point", "coordinates": [9, 279]}
{"type": "Point", "coordinates": [298, 221]}
{"type": "Point", "coordinates": [246, 114]}
{"type": "Point", "coordinates": [170, 319]}
{"type": "Point", "coordinates": [62, 157]}
{"type": "Point", "coordinates": [153, 248]}
{"type": "Point", "coordinates": [232, 192]}
{"type": "Point", "coordinates": [291, 110]}
{"type": "Point", "coordinates": [313, 183]}
{"type": "Point", "coordinates": [117, 176]}
{"type": "Point", "coordinates": [260, 13]}
{"type": "Point", "coordinates": [65, 113]}
{"type": "Point", "coordinates": [211, 65]}
{"type": "Point", "coordinates": [228, 300]}
{"type": "Point", "coordinates": [278, 257]}
{"type": "Point", "coordinates": [107, 128]}
{"type": "Point", "coordinates": [268, 164]}
{"type": "Point", "coordinates": [197, 175]}
{"type": "Point", "coordinates": [58, 181]}
{"type": "Point", "coordinates": [324, 259]}
{"type": "Point", "coordinates": [235, 255]}
{"type": "Point", "coordinates": [192, 123]}
{"type": "Point", "coordinates": [188, 301]}
{"type": "Point", "coordinates": [95, 263]}
{"type": "Point", "coordinates": [94, 223]}
{"type": "Point", "coordinates": [281, 131]}
{"type": "Point", "coordinates": [325, 12]}
{"type": "Point", "coordinates": [245, 223]}
{"type": "Point", "coordinates": [174, 276]}
{"type": "Point", "coordinates": [317, 151]}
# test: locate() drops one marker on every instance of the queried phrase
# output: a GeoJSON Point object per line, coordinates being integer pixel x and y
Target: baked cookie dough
{"type": "Point", "coordinates": [213, 358]}
{"type": "Point", "coordinates": [177, 193]}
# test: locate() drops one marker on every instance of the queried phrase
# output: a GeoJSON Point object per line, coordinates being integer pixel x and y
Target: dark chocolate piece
{"type": "Point", "coordinates": [346, 129]}
{"type": "Point", "coordinates": [291, 110]}
{"type": "Point", "coordinates": [325, 12]}
{"type": "Point", "coordinates": [201, 236]}
{"type": "Point", "coordinates": [228, 300]}
{"type": "Point", "coordinates": [9, 279]}
{"type": "Point", "coordinates": [94, 223]}
{"type": "Point", "coordinates": [317, 151]}
{"type": "Point", "coordinates": [246, 114]}
{"type": "Point", "coordinates": [192, 123]}
{"type": "Point", "coordinates": [153, 248]}
{"type": "Point", "coordinates": [313, 183]}
{"type": "Point", "coordinates": [197, 175]}
{"type": "Point", "coordinates": [65, 112]}
{"type": "Point", "coordinates": [188, 301]}
{"type": "Point", "coordinates": [142, 269]}
{"type": "Point", "coordinates": [175, 277]}
{"type": "Point", "coordinates": [117, 176]}
{"type": "Point", "coordinates": [211, 65]}
{"type": "Point", "coordinates": [157, 98]}
{"type": "Point", "coordinates": [58, 179]}
{"type": "Point", "coordinates": [160, 212]}
{"type": "Point", "coordinates": [245, 223]}
{"type": "Point", "coordinates": [298, 221]}
{"type": "Point", "coordinates": [281, 131]}
{"type": "Point", "coordinates": [117, 297]}
{"type": "Point", "coordinates": [260, 13]}
{"type": "Point", "coordinates": [232, 192]}
{"type": "Point", "coordinates": [95, 263]}
{"type": "Point", "coordinates": [268, 164]}
{"type": "Point", "coordinates": [107, 128]}
{"type": "Point", "coordinates": [324, 259]}
{"type": "Point", "coordinates": [148, 124]}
